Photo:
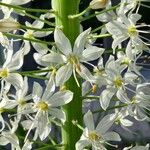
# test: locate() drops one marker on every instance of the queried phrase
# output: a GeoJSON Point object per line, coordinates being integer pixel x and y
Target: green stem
{"type": "Point", "coordinates": [101, 12]}
{"type": "Point", "coordinates": [100, 36]}
{"type": "Point", "coordinates": [35, 29]}
{"type": "Point", "coordinates": [27, 9]}
{"type": "Point", "coordinates": [34, 17]}
{"type": "Point", "coordinates": [9, 35]}
{"type": "Point", "coordinates": [79, 14]}
{"type": "Point", "coordinates": [34, 71]}
{"type": "Point", "coordinates": [110, 108]}
{"type": "Point", "coordinates": [73, 110]}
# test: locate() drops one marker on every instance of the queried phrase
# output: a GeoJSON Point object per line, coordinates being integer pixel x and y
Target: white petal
{"type": "Point", "coordinates": [40, 48]}
{"type": "Point", "coordinates": [89, 121]}
{"type": "Point", "coordinates": [17, 61]}
{"type": "Point", "coordinates": [106, 96]}
{"type": "Point", "coordinates": [105, 123]}
{"type": "Point", "coordinates": [111, 136]}
{"type": "Point", "coordinates": [60, 98]}
{"type": "Point", "coordinates": [86, 74]}
{"type": "Point", "coordinates": [40, 34]}
{"type": "Point", "coordinates": [15, 79]}
{"type": "Point", "coordinates": [54, 58]}
{"type": "Point", "coordinates": [20, 2]}
{"type": "Point", "coordinates": [58, 114]}
{"type": "Point", "coordinates": [80, 42]}
{"type": "Point", "coordinates": [3, 141]}
{"type": "Point", "coordinates": [92, 53]}
{"type": "Point", "coordinates": [81, 144]}
{"type": "Point", "coordinates": [118, 40]}
{"type": "Point", "coordinates": [126, 122]}
{"type": "Point", "coordinates": [37, 23]}
{"type": "Point", "coordinates": [63, 74]}
{"type": "Point", "coordinates": [45, 132]}
{"type": "Point", "coordinates": [62, 42]}
{"type": "Point", "coordinates": [37, 91]}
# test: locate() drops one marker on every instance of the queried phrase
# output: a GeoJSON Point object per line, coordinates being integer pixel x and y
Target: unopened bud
{"type": "Point", "coordinates": [96, 4]}
{"type": "Point", "coordinates": [7, 25]}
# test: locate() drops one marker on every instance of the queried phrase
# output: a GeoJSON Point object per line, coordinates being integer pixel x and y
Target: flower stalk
{"type": "Point", "coordinates": [73, 110]}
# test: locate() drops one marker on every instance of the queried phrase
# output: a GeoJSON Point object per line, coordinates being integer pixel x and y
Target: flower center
{"type": "Point", "coordinates": [125, 61]}
{"type": "Point", "coordinates": [132, 31]}
{"type": "Point", "coordinates": [72, 59]}
{"type": "Point", "coordinates": [118, 82]}
{"type": "Point", "coordinates": [2, 110]}
{"type": "Point", "coordinates": [29, 34]}
{"type": "Point", "coordinates": [93, 136]}
{"type": "Point", "coordinates": [4, 73]}
{"type": "Point", "coordinates": [43, 106]}
{"type": "Point", "coordinates": [21, 102]}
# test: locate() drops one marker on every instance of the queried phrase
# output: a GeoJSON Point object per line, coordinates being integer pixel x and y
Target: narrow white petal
{"type": "Point", "coordinates": [106, 96]}
{"type": "Point", "coordinates": [61, 98]}
{"type": "Point", "coordinates": [80, 42]}
{"type": "Point", "coordinates": [37, 91]}
{"type": "Point", "coordinates": [40, 34]}
{"type": "Point", "coordinates": [15, 79]}
{"type": "Point", "coordinates": [21, 2]}
{"type": "Point", "coordinates": [92, 53]}
{"type": "Point", "coordinates": [81, 144]}
{"type": "Point", "coordinates": [105, 123]}
{"type": "Point", "coordinates": [58, 114]}
{"type": "Point", "coordinates": [62, 42]}
{"type": "Point", "coordinates": [63, 74]}
{"type": "Point", "coordinates": [111, 136]}
{"type": "Point", "coordinates": [54, 58]}
{"type": "Point", "coordinates": [89, 121]}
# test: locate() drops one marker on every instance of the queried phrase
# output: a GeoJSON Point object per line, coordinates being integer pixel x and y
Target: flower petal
{"type": "Point", "coordinates": [61, 98]}
{"type": "Point", "coordinates": [62, 42]}
{"type": "Point", "coordinates": [54, 58]}
{"type": "Point", "coordinates": [111, 136]}
{"type": "Point", "coordinates": [106, 96]}
{"type": "Point", "coordinates": [81, 144]}
{"type": "Point", "coordinates": [63, 74]}
{"type": "Point", "coordinates": [89, 121]}
{"type": "Point", "coordinates": [80, 42]}
{"type": "Point", "coordinates": [92, 53]}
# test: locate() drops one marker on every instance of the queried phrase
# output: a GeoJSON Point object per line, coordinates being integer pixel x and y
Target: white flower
{"type": "Point", "coordinates": [46, 105]}
{"type": "Point", "coordinates": [31, 34]}
{"type": "Point", "coordinates": [7, 70]}
{"type": "Point", "coordinates": [21, 98]}
{"type": "Point", "coordinates": [125, 28]}
{"type": "Point", "coordinates": [138, 103]}
{"type": "Point", "coordinates": [98, 136]}
{"type": "Point", "coordinates": [72, 59]}
{"type": "Point", "coordinates": [114, 81]}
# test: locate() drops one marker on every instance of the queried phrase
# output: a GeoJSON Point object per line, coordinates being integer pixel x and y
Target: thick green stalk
{"type": "Point", "coordinates": [73, 110]}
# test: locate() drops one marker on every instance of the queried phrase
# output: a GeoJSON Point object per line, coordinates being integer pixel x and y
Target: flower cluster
{"type": "Point", "coordinates": [116, 83]}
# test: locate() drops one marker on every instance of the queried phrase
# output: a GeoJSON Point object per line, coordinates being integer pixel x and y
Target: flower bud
{"type": "Point", "coordinates": [96, 4]}
{"type": "Point", "coordinates": [7, 25]}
